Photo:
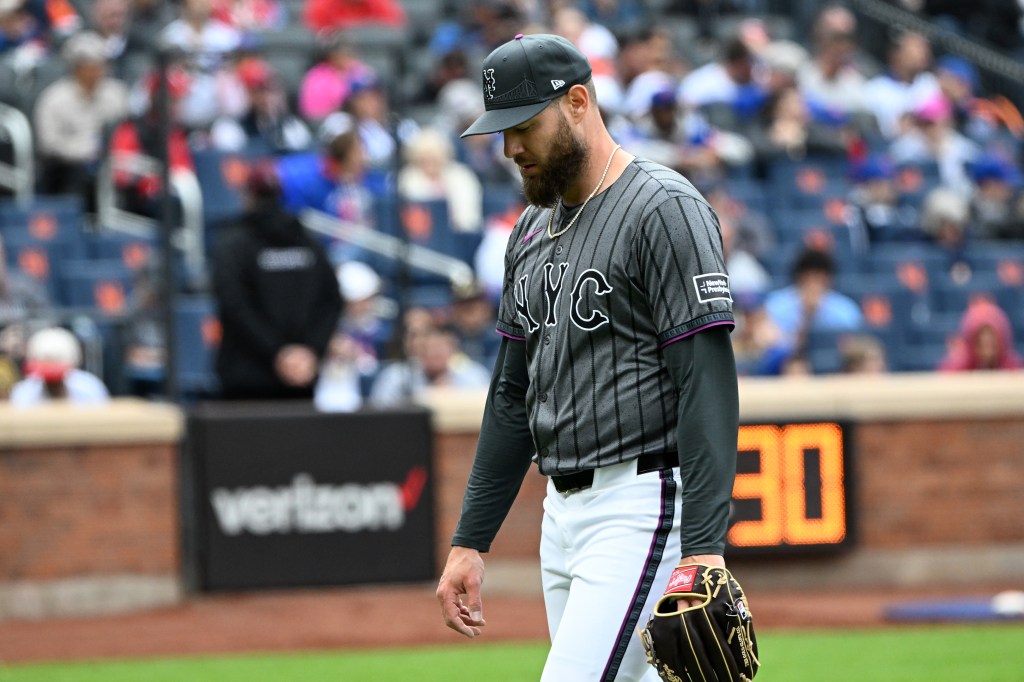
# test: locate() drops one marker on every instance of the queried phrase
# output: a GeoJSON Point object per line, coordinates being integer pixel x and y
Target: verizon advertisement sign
{"type": "Point", "coordinates": [308, 507]}
{"type": "Point", "coordinates": [281, 495]}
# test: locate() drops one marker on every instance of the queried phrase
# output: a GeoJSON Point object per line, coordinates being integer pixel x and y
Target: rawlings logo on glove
{"type": "Point", "coordinates": [712, 640]}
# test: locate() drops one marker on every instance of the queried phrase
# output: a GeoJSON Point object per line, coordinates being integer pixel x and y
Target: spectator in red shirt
{"type": "Point", "coordinates": [332, 15]}
{"type": "Point", "coordinates": [985, 341]}
{"type": "Point", "coordinates": [141, 136]}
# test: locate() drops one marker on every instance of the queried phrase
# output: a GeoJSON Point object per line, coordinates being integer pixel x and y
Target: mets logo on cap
{"type": "Point", "coordinates": [489, 84]}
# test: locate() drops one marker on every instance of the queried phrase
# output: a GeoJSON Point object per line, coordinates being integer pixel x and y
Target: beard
{"type": "Point", "coordinates": [567, 156]}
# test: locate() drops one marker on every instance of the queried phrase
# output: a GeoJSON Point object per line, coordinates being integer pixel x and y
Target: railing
{"type": "Point", "coordinates": [983, 57]}
{"type": "Point", "coordinates": [189, 239]}
{"type": "Point", "coordinates": [453, 269]}
{"type": "Point", "coordinates": [19, 175]}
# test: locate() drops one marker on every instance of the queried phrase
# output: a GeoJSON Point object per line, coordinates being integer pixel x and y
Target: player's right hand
{"type": "Point", "coordinates": [458, 591]}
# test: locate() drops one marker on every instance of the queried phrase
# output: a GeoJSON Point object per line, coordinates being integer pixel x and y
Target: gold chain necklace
{"type": "Point", "coordinates": [551, 216]}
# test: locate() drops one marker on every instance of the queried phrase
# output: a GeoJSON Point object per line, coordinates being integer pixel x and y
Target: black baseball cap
{"type": "Point", "coordinates": [523, 75]}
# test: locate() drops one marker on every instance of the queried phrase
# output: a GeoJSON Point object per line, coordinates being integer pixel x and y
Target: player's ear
{"type": "Point", "coordinates": [578, 100]}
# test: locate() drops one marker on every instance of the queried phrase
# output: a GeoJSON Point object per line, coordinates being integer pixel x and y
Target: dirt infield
{"type": "Point", "coordinates": [357, 617]}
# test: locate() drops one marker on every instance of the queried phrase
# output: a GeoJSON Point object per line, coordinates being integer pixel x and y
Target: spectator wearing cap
{"type": "Point", "coordinates": [810, 303]}
{"type": "Point", "coordinates": [946, 223]}
{"type": "Point", "coordinates": [879, 212]}
{"type": "Point", "coordinates": [71, 115]}
{"type": "Point", "coordinates": [353, 356]}
{"type": "Point", "coordinates": [932, 138]}
{"type": "Point", "coordinates": [267, 125]}
{"type": "Point", "coordinates": [277, 297]}
{"type": "Point", "coordinates": [327, 84]}
{"type": "Point", "coordinates": [997, 204]}
{"type": "Point", "coordinates": [431, 173]}
{"type": "Point", "coordinates": [977, 116]}
{"type": "Point", "coordinates": [52, 359]}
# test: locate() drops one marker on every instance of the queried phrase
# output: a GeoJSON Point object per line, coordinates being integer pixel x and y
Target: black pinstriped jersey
{"type": "Point", "coordinates": [641, 268]}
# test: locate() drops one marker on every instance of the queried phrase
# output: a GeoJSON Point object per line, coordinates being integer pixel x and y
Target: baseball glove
{"type": "Point", "coordinates": [712, 641]}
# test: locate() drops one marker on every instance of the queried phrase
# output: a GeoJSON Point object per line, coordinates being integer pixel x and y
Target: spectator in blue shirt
{"type": "Point", "coordinates": [810, 303]}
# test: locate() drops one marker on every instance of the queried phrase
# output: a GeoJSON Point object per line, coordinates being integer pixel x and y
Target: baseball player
{"type": "Point", "coordinates": [615, 374]}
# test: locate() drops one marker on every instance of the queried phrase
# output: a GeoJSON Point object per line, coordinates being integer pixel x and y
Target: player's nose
{"type": "Point", "coordinates": [513, 145]}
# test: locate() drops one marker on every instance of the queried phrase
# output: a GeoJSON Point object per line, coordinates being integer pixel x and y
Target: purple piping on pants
{"type": "Point", "coordinates": [643, 588]}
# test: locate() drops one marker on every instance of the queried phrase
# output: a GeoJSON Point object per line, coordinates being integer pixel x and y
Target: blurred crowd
{"type": "Point", "coordinates": [343, 107]}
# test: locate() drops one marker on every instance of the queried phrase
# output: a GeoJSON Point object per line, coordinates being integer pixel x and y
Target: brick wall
{"type": "Point", "coordinates": [88, 510]}
{"type": "Point", "coordinates": [954, 482]}
{"type": "Point", "coordinates": [919, 483]}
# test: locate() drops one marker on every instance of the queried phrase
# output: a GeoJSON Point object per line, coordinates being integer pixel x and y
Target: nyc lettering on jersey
{"type": "Point", "coordinates": [308, 507]}
{"type": "Point", "coordinates": [589, 281]}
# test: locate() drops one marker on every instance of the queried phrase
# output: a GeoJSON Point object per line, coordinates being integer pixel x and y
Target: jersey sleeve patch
{"type": "Point", "coordinates": [713, 286]}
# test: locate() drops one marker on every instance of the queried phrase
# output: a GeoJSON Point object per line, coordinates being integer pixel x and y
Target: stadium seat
{"type": "Point", "coordinates": [134, 252]}
{"type": "Point", "coordinates": [39, 260]}
{"type": "Point", "coordinates": [810, 183]}
{"type": "Point", "coordinates": [953, 296]}
{"type": "Point", "coordinates": [197, 336]}
{"type": "Point", "coordinates": [104, 286]}
{"type": "Point", "coordinates": [47, 219]}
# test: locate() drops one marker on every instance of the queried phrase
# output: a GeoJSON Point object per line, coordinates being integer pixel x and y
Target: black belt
{"type": "Point", "coordinates": [654, 461]}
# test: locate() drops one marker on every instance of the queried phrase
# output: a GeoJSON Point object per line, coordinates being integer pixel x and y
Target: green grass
{"type": "Point", "coordinates": [925, 654]}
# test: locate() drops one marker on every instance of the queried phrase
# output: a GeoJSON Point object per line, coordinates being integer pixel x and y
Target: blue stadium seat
{"type": "Point", "coordinates": [134, 252]}
{"type": "Point", "coordinates": [46, 219]}
{"type": "Point", "coordinates": [823, 351]}
{"type": "Point", "coordinates": [889, 308]}
{"type": "Point", "coordinates": [39, 260]}
{"type": "Point", "coordinates": [197, 336]}
{"type": "Point", "coordinates": [102, 285]}
{"type": "Point", "coordinates": [222, 176]}
{"type": "Point", "coordinates": [808, 183]}
{"type": "Point", "coordinates": [918, 357]}
{"type": "Point", "coordinates": [953, 296]}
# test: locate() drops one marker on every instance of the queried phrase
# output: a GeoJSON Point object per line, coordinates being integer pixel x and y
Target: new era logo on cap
{"type": "Point", "coordinates": [514, 75]}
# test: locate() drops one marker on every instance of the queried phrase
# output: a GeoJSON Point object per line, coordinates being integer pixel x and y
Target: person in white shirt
{"type": "Point", "coordinates": [52, 357]}
{"type": "Point", "coordinates": [71, 114]}
{"type": "Point", "coordinates": [720, 81]}
{"type": "Point", "coordinates": [905, 86]}
{"type": "Point", "coordinates": [213, 89]}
